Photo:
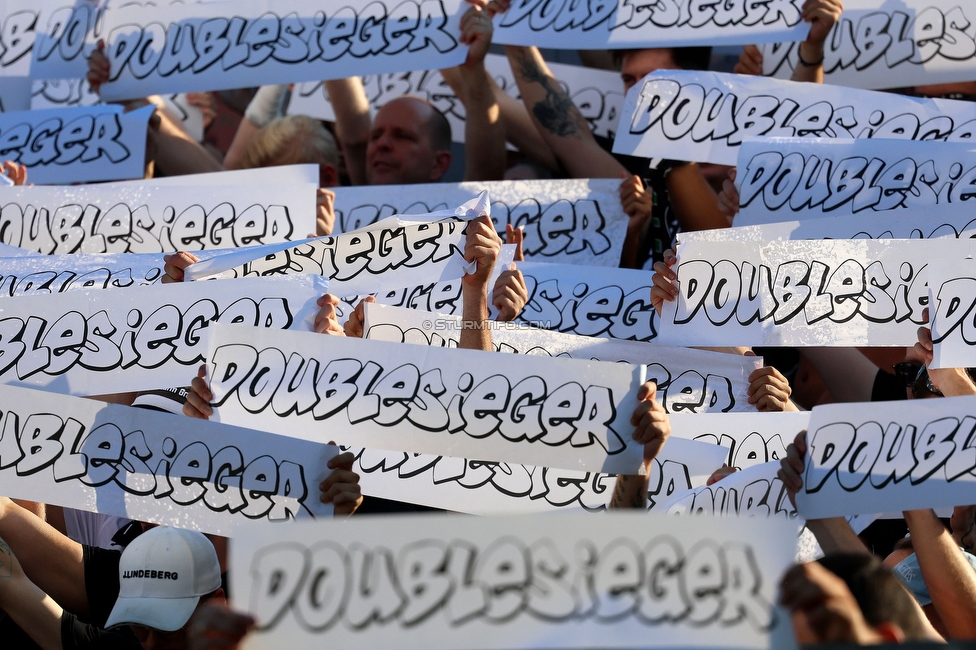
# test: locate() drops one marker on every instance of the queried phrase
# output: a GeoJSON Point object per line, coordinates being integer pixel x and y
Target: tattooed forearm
{"type": "Point", "coordinates": [556, 112]}
{"type": "Point", "coordinates": [630, 492]}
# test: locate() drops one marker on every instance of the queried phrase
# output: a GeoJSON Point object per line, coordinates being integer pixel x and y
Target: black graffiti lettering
{"type": "Point", "coordinates": [852, 455]}
{"type": "Point", "coordinates": [16, 36]}
{"type": "Point", "coordinates": [567, 414]}
{"type": "Point", "coordinates": [179, 48]}
{"type": "Point", "coordinates": [366, 587]}
{"type": "Point", "coordinates": [86, 138]}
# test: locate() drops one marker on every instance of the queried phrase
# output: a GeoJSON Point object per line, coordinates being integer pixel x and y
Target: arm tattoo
{"type": "Point", "coordinates": [625, 485]}
{"type": "Point", "coordinates": [556, 112]}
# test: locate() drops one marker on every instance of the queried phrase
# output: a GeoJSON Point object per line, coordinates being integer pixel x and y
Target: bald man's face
{"type": "Point", "coordinates": [400, 150]}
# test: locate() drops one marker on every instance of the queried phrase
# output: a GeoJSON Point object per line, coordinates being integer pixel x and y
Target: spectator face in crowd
{"type": "Point", "coordinates": [636, 64]}
{"type": "Point", "coordinates": [294, 140]}
{"type": "Point", "coordinates": [410, 142]}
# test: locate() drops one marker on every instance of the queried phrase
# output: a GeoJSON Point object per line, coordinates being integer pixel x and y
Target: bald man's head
{"type": "Point", "coordinates": [410, 142]}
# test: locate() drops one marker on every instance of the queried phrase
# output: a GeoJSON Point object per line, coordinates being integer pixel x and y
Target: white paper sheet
{"type": "Point", "coordinates": [751, 438]}
{"type": "Point", "coordinates": [780, 179]}
{"type": "Point", "coordinates": [878, 44]}
{"type": "Point", "coordinates": [803, 293]}
{"type": "Point", "coordinates": [705, 116]}
{"type": "Point", "coordinates": [15, 94]}
{"type": "Point", "coordinates": [418, 249]}
{"type": "Point", "coordinates": [597, 94]}
{"type": "Point", "coordinates": [405, 398]}
{"type": "Point", "coordinates": [61, 273]}
{"type": "Point", "coordinates": [99, 342]}
{"type": "Point", "coordinates": [623, 24]}
{"type": "Point", "coordinates": [76, 145]}
{"type": "Point", "coordinates": [885, 456]}
{"type": "Point", "coordinates": [690, 381]}
{"type": "Point", "coordinates": [158, 467]}
{"type": "Point", "coordinates": [440, 582]}
{"type": "Point", "coordinates": [148, 219]}
{"type": "Point", "coordinates": [567, 221]}
{"type": "Point", "coordinates": [754, 492]}
{"type": "Point", "coordinates": [481, 488]}
{"type": "Point", "coordinates": [952, 296]}
{"type": "Point", "coordinates": [214, 46]}
{"type": "Point", "coordinates": [581, 300]}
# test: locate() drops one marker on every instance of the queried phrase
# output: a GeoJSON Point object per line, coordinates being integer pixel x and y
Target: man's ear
{"type": "Point", "coordinates": [890, 632]}
{"type": "Point", "coordinates": [219, 597]}
{"type": "Point", "coordinates": [442, 162]}
{"type": "Point", "coordinates": [328, 176]}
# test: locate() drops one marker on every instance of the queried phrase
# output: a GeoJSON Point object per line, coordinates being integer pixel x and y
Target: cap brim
{"type": "Point", "coordinates": [165, 614]}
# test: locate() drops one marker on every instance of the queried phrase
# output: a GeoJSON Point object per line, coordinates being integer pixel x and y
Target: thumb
{"type": "Point", "coordinates": [647, 392]}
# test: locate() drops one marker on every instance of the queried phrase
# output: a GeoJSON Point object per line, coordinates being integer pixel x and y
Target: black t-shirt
{"type": "Point", "coordinates": [661, 230]}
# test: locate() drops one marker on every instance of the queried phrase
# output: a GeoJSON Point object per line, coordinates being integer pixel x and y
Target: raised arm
{"type": "Point", "coordinates": [949, 578]}
{"type": "Point", "coordinates": [482, 246]}
{"type": "Point", "coordinates": [484, 131]}
{"type": "Point", "coordinates": [352, 123]}
{"type": "Point", "coordinates": [822, 15]}
{"type": "Point", "coordinates": [50, 560]}
{"type": "Point", "coordinates": [557, 119]}
{"type": "Point", "coordinates": [26, 604]}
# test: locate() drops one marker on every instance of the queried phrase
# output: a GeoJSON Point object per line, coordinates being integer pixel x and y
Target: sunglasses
{"type": "Point", "coordinates": [907, 372]}
{"type": "Point", "coordinates": [923, 383]}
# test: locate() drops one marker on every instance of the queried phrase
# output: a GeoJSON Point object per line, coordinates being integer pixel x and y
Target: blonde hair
{"type": "Point", "coordinates": [291, 140]}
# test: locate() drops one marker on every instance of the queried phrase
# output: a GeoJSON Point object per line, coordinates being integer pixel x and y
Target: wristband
{"type": "Point", "coordinates": [809, 64]}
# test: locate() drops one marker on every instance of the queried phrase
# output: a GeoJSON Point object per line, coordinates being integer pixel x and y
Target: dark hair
{"type": "Point", "coordinates": [686, 58]}
{"type": "Point", "coordinates": [880, 595]}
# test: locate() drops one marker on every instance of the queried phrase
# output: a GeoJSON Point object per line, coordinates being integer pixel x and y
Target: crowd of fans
{"type": "Point", "coordinates": [71, 579]}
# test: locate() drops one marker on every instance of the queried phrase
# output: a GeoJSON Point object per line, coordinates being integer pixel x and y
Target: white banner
{"type": "Point", "coordinates": [690, 381]}
{"type": "Point", "coordinates": [947, 220]}
{"type": "Point", "coordinates": [61, 93]}
{"type": "Point", "coordinates": [597, 94]}
{"type": "Point", "coordinates": [6, 250]}
{"type": "Point", "coordinates": [753, 492]}
{"type": "Point", "coordinates": [481, 488]}
{"type": "Point", "coordinates": [581, 300]}
{"type": "Point", "coordinates": [214, 46]}
{"type": "Point", "coordinates": [613, 303]}
{"type": "Point", "coordinates": [416, 249]}
{"type": "Point", "coordinates": [99, 342]}
{"type": "Point", "coordinates": [788, 178]}
{"type": "Point", "coordinates": [889, 456]}
{"type": "Point", "coordinates": [952, 296]}
{"type": "Point", "coordinates": [705, 116]}
{"type": "Point", "coordinates": [439, 582]}
{"type": "Point", "coordinates": [148, 219]}
{"type": "Point", "coordinates": [877, 44]}
{"type": "Point", "coordinates": [625, 24]}
{"type": "Point", "coordinates": [741, 440]}
{"type": "Point", "coordinates": [23, 276]}
{"type": "Point", "coordinates": [76, 145]}
{"type": "Point", "coordinates": [564, 413]}
{"type": "Point", "coordinates": [149, 466]}
{"type": "Point", "coordinates": [570, 221]}
{"type": "Point", "coordinates": [802, 293]}
{"type": "Point", "coordinates": [751, 438]}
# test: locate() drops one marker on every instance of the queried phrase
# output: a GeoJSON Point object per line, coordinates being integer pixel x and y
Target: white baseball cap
{"type": "Point", "coordinates": [162, 575]}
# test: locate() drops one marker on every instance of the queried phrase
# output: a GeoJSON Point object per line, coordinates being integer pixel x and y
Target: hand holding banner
{"type": "Point", "coordinates": [551, 412]}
